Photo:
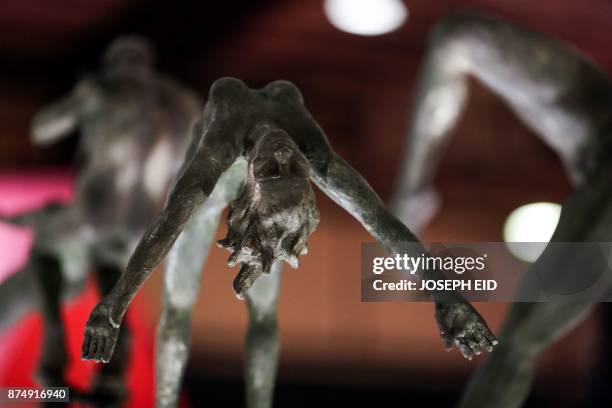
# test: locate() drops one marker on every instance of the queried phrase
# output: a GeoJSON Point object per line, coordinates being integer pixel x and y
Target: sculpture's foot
{"type": "Point", "coordinates": [53, 360]}
{"type": "Point", "coordinates": [108, 390]}
{"type": "Point", "coordinates": [50, 376]}
{"type": "Point", "coordinates": [502, 381]}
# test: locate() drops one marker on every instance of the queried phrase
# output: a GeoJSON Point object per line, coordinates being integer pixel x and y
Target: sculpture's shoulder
{"type": "Point", "coordinates": [227, 88]}
{"type": "Point", "coordinates": [284, 90]}
{"type": "Point", "coordinates": [230, 97]}
{"type": "Point", "coordinates": [234, 90]}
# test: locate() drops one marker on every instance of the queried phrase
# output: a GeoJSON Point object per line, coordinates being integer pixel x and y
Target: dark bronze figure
{"type": "Point", "coordinates": [268, 222]}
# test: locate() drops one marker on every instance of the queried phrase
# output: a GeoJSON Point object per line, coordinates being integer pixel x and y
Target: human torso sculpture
{"type": "Point", "coordinates": [270, 220]}
{"type": "Point", "coordinates": [567, 101]}
{"type": "Point", "coordinates": [134, 126]}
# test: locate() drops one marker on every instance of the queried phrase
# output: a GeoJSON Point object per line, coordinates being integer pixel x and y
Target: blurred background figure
{"type": "Point", "coordinates": [567, 101]}
{"type": "Point", "coordinates": [135, 126]}
{"type": "Point", "coordinates": [335, 349]}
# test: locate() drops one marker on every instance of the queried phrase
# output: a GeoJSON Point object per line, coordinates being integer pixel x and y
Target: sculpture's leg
{"type": "Point", "coordinates": [505, 378]}
{"type": "Point", "coordinates": [556, 92]}
{"type": "Point", "coordinates": [58, 265]}
{"type": "Point", "coordinates": [19, 291]}
{"type": "Point", "coordinates": [16, 297]}
{"type": "Point", "coordinates": [41, 283]}
{"type": "Point", "coordinates": [181, 285]}
{"type": "Point", "coordinates": [55, 271]}
{"type": "Point", "coordinates": [109, 382]}
{"type": "Point", "coordinates": [262, 339]}
{"type": "Point", "coordinates": [46, 269]}
{"type": "Point", "coordinates": [441, 94]}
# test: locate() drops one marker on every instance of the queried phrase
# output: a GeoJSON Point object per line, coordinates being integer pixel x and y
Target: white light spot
{"type": "Point", "coordinates": [121, 150]}
{"type": "Point", "coordinates": [531, 223]}
{"type": "Point", "coordinates": [158, 169]}
{"type": "Point", "coordinates": [52, 129]}
{"type": "Point", "coordinates": [126, 177]}
{"type": "Point", "coordinates": [366, 17]}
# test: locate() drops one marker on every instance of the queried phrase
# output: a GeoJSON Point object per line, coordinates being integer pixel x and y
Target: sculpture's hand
{"type": "Point", "coordinates": [417, 209]}
{"type": "Point", "coordinates": [101, 334]}
{"type": "Point", "coordinates": [461, 324]}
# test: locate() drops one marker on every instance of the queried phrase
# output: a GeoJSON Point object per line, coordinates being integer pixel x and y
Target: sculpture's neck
{"type": "Point", "coordinates": [268, 140]}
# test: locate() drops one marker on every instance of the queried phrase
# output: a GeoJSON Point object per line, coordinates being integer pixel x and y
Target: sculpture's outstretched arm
{"type": "Point", "coordinates": [458, 320]}
{"type": "Point", "coordinates": [218, 148]}
{"type": "Point", "coordinates": [61, 118]}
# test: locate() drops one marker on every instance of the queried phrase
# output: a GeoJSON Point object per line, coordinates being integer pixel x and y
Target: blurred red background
{"type": "Point", "coordinates": [358, 88]}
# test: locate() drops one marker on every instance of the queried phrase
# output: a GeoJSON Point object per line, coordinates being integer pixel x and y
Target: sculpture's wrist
{"type": "Point", "coordinates": [446, 301]}
{"type": "Point", "coordinates": [114, 309]}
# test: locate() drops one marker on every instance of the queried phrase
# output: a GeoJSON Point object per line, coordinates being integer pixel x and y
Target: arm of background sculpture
{"type": "Point", "coordinates": [58, 120]}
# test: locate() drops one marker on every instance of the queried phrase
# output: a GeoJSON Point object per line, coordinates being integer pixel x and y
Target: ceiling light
{"type": "Point", "coordinates": [366, 17]}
